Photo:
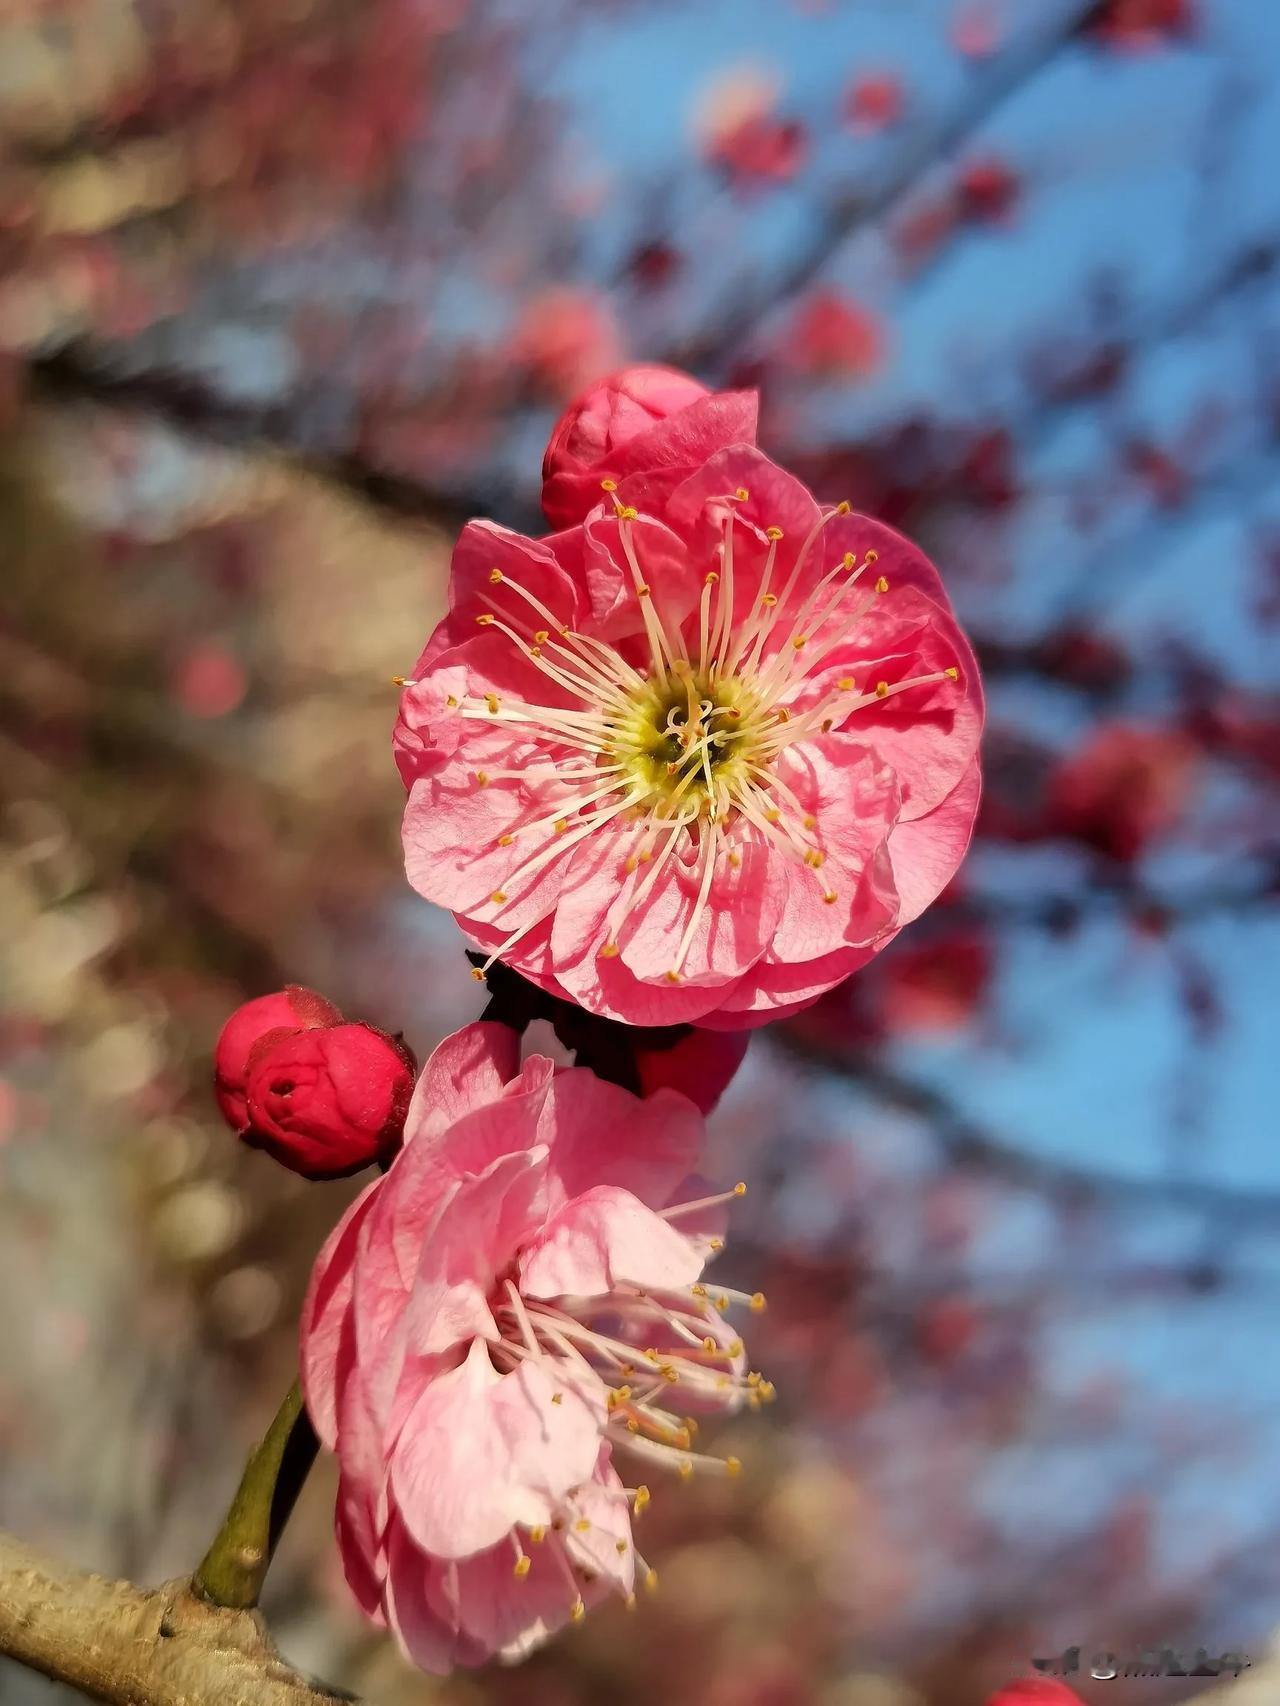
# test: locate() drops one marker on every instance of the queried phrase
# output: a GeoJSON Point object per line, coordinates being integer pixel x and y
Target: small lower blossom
{"type": "Point", "coordinates": [506, 1337]}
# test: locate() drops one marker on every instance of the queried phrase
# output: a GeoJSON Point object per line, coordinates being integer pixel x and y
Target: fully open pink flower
{"type": "Point", "coordinates": [698, 758]}
{"type": "Point", "coordinates": [515, 1303]}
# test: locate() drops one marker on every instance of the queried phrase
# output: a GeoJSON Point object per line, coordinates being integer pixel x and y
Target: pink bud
{"type": "Point", "coordinates": [291, 1009]}
{"type": "Point", "coordinates": [328, 1101]}
{"type": "Point", "coordinates": [641, 420]}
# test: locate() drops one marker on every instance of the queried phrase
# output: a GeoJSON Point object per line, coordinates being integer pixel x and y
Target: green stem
{"type": "Point", "coordinates": [236, 1565]}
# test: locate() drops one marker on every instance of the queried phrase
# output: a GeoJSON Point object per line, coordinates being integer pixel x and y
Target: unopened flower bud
{"type": "Point", "coordinates": [291, 1009]}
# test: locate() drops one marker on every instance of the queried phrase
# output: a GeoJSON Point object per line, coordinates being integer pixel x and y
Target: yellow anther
{"type": "Point", "coordinates": [484, 621]}
{"type": "Point", "coordinates": [774, 533]}
{"type": "Point", "coordinates": [733, 1465]}
{"type": "Point", "coordinates": [882, 689]}
{"type": "Point", "coordinates": [582, 1526]}
{"type": "Point", "coordinates": [735, 858]}
{"type": "Point", "coordinates": [784, 716]}
{"type": "Point", "coordinates": [535, 651]}
{"type": "Point", "coordinates": [542, 636]}
{"type": "Point", "coordinates": [871, 556]}
{"type": "Point", "coordinates": [800, 642]}
{"type": "Point", "coordinates": [831, 897]}
{"type": "Point", "coordinates": [710, 578]}
{"type": "Point", "coordinates": [651, 1580]}
{"type": "Point", "coordinates": [772, 814]}
{"type": "Point", "coordinates": [505, 840]}
{"type": "Point", "coordinates": [722, 1304]}
{"type": "Point", "coordinates": [626, 513]}
{"type": "Point", "coordinates": [578, 1610]}
{"type": "Point", "coordinates": [709, 1345]}
{"type": "Point", "coordinates": [477, 974]}
{"type": "Point", "coordinates": [742, 494]}
{"type": "Point", "coordinates": [608, 485]}
{"type": "Point", "coordinates": [814, 858]}
{"type": "Point", "coordinates": [882, 585]}
{"type": "Point", "coordinates": [848, 560]}
{"type": "Point", "coordinates": [669, 1374]}
{"type": "Point", "coordinates": [557, 1397]}
{"type": "Point", "coordinates": [491, 700]}
{"type": "Point", "coordinates": [399, 681]}
{"type": "Point", "coordinates": [740, 1189]}
{"type": "Point", "coordinates": [537, 1534]}
{"type": "Point", "coordinates": [633, 1426]}
{"type": "Point", "coordinates": [734, 1349]}
{"type": "Point", "coordinates": [716, 1244]}
{"type": "Point", "coordinates": [610, 951]}
{"type": "Point", "coordinates": [843, 507]}
{"type": "Point", "coordinates": [757, 1301]}
{"type": "Point", "coordinates": [498, 897]}
{"type": "Point", "coordinates": [644, 590]}
{"type": "Point", "coordinates": [698, 1290]}
{"type": "Point", "coordinates": [482, 777]}
{"type": "Point", "coordinates": [619, 1545]}
{"type": "Point", "coordinates": [753, 1377]}
{"type": "Point", "coordinates": [952, 674]}
{"type": "Point", "coordinates": [690, 1426]}
{"type": "Point", "coordinates": [686, 1469]}
{"type": "Point", "coordinates": [630, 863]}
{"type": "Point", "coordinates": [560, 825]}
{"type": "Point", "coordinates": [495, 577]}
{"type": "Point", "coordinates": [452, 702]}
{"type": "Point", "coordinates": [641, 1500]}
{"type": "Point", "coordinates": [846, 684]}
{"type": "Point", "coordinates": [673, 977]}
{"type": "Point", "coordinates": [522, 1565]}
{"type": "Point", "coordinates": [809, 821]}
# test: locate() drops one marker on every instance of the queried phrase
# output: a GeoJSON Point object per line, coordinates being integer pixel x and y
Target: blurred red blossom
{"type": "Point", "coordinates": [1122, 789]}
{"type": "Point", "coordinates": [987, 191]}
{"type": "Point", "coordinates": [1035, 1691]}
{"type": "Point", "coordinates": [742, 134]}
{"type": "Point", "coordinates": [563, 337]}
{"type": "Point", "coordinates": [874, 101]}
{"type": "Point", "coordinates": [1138, 25]}
{"type": "Point", "coordinates": [975, 30]}
{"type": "Point", "coordinates": [832, 337]}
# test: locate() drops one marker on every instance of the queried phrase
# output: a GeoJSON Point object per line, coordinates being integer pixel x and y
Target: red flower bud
{"type": "Point", "coordinates": [329, 1100]}
{"type": "Point", "coordinates": [291, 1009]}
{"type": "Point", "coordinates": [642, 420]}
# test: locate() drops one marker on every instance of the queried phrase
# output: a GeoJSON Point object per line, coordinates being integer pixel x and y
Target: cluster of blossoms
{"type": "Point", "coordinates": [678, 768]}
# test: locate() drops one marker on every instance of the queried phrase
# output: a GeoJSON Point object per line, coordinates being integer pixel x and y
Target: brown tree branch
{"type": "Point", "coordinates": [131, 1646]}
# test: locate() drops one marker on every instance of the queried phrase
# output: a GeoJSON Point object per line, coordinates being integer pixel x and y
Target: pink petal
{"type": "Point", "coordinates": [927, 852]}
{"type": "Point", "coordinates": [472, 1240]}
{"type": "Point", "coordinates": [602, 1239]}
{"type": "Point", "coordinates": [483, 1451]}
{"type": "Point", "coordinates": [482, 547]}
{"type": "Point", "coordinates": [604, 1547]}
{"type": "Point", "coordinates": [467, 1069]}
{"type": "Point", "coordinates": [323, 1311]}
{"type": "Point", "coordinates": [582, 1122]}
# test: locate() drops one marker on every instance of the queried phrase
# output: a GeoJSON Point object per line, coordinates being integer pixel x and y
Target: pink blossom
{"type": "Point", "coordinates": [515, 1304]}
{"type": "Point", "coordinates": [697, 759]}
{"type": "Point", "coordinates": [651, 420]}
{"type": "Point", "coordinates": [1035, 1691]}
{"type": "Point", "coordinates": [874, 101]}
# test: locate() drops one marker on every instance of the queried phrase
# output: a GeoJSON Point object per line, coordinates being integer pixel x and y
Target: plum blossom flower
{"type": "Point", "coordinates": [511, 1314]}
{"type": "Point", "coordinates": [698, 758]}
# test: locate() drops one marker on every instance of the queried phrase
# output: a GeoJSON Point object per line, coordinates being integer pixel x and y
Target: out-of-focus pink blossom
{"type": "Point", "coordinates": [209, 681]}
{"type": "Point", "coordinates": [518, 1300]}
{"type": "Point", "coordinates": [563, 337]}
{"type": "Point", "coordinates": [1124, 788]}
{"type": "Point", "coordinates": [976, 29]}
{"type": "Point", "coordinates": [742, 134]}
{"type": "Point", "coordinates": [874, 101]}
{"type": "Point", "coordinates": [1140, 25]}
{"type": "Point", "coordinates": [1035, 1691]}
{"type": "Point", "coordinates": [987, 190]}
{"type": "Point", "coordinates": [831, 337]}
{"type": "Point", "coordinates": [936, 986]}
{"type": "Point", "coordinates": [329, 1100]}
{"type": "Point", "coordinates": [654, 421]}
{"type": "Point", "coordinates": [697, 759]}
